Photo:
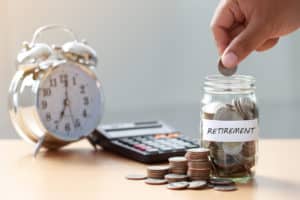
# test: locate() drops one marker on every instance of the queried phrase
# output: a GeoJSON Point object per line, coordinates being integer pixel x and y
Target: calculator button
{"type": "Point", "coordinates": [192, 146]}
{"type": "Point", "coordinates": [128, 147]}
{"type": "Point", "coordinates": [140, 139]}
{"type": "Point", "coordinates": [140, 147]}
{"type": "Point", "coordinates": [173, 135]}
{"type": "Point", "coordinates": [166, 149]}
{"type": "Point", "coordinates": [127, 141]}
{"type": "Point", "coordinates": [159, 136]}
{"type": "Point", "coordinates": [152, 150]}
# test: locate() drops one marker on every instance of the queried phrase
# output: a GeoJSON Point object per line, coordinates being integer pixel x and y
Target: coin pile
{"type": "Point", "coordinates": [178, 165]}
{"type": "Point", "coordinates": [180, 182]}
{"type": "Point", "coordinates": [198, 164]}
{"type": "Point", "coordinates": [231, 159]}
{"type": "Point", "coordinates": [189, 172]}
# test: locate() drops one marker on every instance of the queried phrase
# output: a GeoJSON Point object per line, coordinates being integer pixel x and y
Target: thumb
{"type": "Point", "coordinates": [243, 44]}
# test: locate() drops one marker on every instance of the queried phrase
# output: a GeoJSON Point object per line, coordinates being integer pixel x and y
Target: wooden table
{"type": "Point", "coordinates": [77, 172]}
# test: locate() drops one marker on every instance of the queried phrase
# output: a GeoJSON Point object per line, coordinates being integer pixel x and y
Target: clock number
{"type": "Point", "coordinates": [63, 78]}
{"type": "Point", "coordinates": [46, 92]}
{"type": "Point", "coordinates": [48, 116]}
{"type": "Point", "coordinates": [74, 81]}
{"type": "Point", "coordinates": [67, 127]}
{"type": "Point", "coordinates": [53, 82]}
{"type": "Point", "coordinates": [56, 124]}
{"type": "Point", "coordinates": [84, 113]}
{"type": "Point", "coordinates": [82, 89]}
{"type": "Point", "coordinates": [44, 104]}
{"type": "Point", "coordinates": [86, 101]}
{"type": "Point", "coordinates": [77, 123]}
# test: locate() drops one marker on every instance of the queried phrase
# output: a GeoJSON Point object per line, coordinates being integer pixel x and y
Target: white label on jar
{"type": "Point", "coordinates": [230, 131]}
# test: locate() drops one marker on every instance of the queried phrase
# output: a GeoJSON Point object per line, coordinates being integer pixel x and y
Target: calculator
{"type": "Point", "coordinates": [147, 142]}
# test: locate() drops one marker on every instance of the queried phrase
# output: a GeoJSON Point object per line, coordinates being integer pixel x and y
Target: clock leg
{"type": "Point", "coordinates": [38, 145]}
{"type": "Point", "coordinates": [91, 141]}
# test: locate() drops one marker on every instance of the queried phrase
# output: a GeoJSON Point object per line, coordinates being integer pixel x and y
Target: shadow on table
{"type": "Point", "coordinates": [75, 156]}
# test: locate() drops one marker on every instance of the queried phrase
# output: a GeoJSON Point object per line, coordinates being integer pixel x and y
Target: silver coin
{"type": "Point", "coordinates": [238, 108]}
{"type": "Point", "coordinates": [198, 150]}
{"type": "Point", "coordinates": [178, 185]}
{"type": "Point", "coordinates": [247, 102]}
{"type": "Point", "coordinates": [225, 187]}
{"type": "Point", "coordinates": [197, 184]}
{"type": "Point", "coordinates": [221, 181]}
{"type": "Point", "coordinates": [247, 107]}
{"type": "Point", "coordinates": [227, 114]}
{"type": "Point", "coordinates": [176, 176]}
{"type": "Point", "coordinates": [224, 70]}
{"type": "Point", "coordinates": [136, 177]}
{"type": "Point", "coordinates": [212, 108]}
{"type": "Point", "coordinates": [159, 168]}
{"type": "Point", "coordinates": [177, 159]}
{"type": "Point", "coordinates": [232, 148]}
{"type": "Point", "coordinates": [152, 181]}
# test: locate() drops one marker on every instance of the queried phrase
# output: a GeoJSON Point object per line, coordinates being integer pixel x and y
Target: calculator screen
{"type": "Point", "coordinates": [134, 129]}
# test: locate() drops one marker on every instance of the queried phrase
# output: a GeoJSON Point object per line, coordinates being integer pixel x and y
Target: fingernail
{"type": "Point", "coordinates": [230, 59]}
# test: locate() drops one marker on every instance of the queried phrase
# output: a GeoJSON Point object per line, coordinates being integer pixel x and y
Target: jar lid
{"type": "Point", "coordinates": [231, 84]}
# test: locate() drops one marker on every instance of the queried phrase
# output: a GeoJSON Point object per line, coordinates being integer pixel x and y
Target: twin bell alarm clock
{"type": "Point", "coordinates": [55, 97]}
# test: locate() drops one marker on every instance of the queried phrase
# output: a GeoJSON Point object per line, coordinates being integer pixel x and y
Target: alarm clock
{"type": "Point", "coordinates": [55, 97]}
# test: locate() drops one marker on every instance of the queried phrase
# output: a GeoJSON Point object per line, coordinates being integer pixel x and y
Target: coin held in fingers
{"type": "Point", "coordinates": [224, 70]}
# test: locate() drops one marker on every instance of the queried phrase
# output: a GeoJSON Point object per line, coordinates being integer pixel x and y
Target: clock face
{"type": "Point", "coordinates": [69, 101]}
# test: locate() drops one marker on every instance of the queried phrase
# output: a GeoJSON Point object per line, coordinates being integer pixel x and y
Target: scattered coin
{"type": "Point", "coordinates": [221, 181]}
{"type": "Point", "coordinates": [224, 70]}
{"type": "Point", "coordinates": [136, 177]}
{"type": "Point", "coordinates": [178, 185]}
{"type": "Point", "coordinates": [197, 184]}
{"type": "Point", "coordinates": [225, 187]}
{"type": "Point", "coordinates": [152, 181]}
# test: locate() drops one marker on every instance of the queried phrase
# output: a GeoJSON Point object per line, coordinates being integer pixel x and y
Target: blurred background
{"type": "Point", "coordinates": [153, 57]}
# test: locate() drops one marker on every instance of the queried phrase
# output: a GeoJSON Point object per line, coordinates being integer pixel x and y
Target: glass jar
{"type": "Point", "coordinates": [229, 125]}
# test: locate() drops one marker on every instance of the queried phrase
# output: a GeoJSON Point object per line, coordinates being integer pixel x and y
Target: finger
{"type": "Point", "coordinates": [222, 20]}
{"type": "Point", "coordinates": [268, 44]}
{"type": "Point", "coordinates": [236, 30]}
{"type": "Point", "coordinates": [244, 43]}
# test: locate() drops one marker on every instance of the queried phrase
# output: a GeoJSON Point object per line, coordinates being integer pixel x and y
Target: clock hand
{"type": "Point", "coordinates": [72, 117]}
{"type": "Point", "coordinates": [68, 102]}
{"type": "Point", "coordinates": [65, 104]}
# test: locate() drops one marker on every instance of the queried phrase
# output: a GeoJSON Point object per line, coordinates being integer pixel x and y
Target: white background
{"type": "Point", "coordinates": [154, 56]}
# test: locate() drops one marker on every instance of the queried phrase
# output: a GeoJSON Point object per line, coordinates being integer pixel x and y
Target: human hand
{"type": "Point", "coordinates": [242, 26]}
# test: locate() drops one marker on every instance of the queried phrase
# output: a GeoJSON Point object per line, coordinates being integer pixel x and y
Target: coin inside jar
{"type": "Point", "coordinates": [225, 71]}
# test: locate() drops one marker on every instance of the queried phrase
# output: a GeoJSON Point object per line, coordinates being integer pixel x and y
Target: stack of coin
{"type": "Point", "coordinates": [198, 164]}
{"type": "Point", "coordinates": [157, 172]}
{"type": "Point", "coordinates": [171, 178]}
{"type": "Point", "coordinates": [231, 159]}
{"type": "Point", "coordinates": [178, 165]}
